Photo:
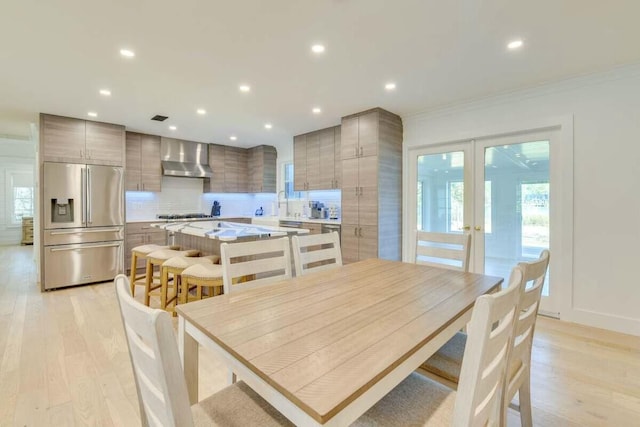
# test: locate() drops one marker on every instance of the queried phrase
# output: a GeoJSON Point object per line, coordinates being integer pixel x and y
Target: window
{"type": "Point", "coordinates": [289, 192]}
{"type": "Point", "coordinates": [21, 192]}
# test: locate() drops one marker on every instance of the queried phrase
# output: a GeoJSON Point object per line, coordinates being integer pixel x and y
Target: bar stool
{"type": "Point", "coordinates": [199, 276]}
{"type": "Point", "coordinates": [175, 267]}
{"type": "Point", "coordinates": [157, 258]}
{"type": "Point", "coordinates": [141, 252]}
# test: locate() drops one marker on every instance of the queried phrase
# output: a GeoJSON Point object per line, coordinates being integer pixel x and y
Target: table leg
{"type": "Point", "coordinates": [188, 348]}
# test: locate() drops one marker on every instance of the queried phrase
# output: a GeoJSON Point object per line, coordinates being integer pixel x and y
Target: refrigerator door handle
{"type": "Point", "coordinates": [108, 245]}
{"type": "Point", "coordinates": [99, 230]}
{"type": "Point", "coordinates": [89, 218]}
{"type": "Point", "coordinates": [83, 185]}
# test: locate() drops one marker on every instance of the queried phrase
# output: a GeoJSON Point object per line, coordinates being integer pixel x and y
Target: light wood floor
{"type": "Point", "coordinates": [63, 361]}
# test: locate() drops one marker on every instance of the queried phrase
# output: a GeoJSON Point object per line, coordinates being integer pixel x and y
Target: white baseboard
{"type": "Point", "coordinates": [621, 324]}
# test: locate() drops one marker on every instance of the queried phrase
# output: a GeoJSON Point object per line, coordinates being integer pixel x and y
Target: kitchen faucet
{"type": "Point", "coordinates": [286, 201]}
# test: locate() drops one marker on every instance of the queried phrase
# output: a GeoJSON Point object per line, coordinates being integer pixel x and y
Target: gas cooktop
{"type": "Point", "coordinates": [185, 216]}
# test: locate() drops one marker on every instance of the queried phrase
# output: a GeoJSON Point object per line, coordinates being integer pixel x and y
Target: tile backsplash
{"type": "Point", "coordinates": [184, 195]}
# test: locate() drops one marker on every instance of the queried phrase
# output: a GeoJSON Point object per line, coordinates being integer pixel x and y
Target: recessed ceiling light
{"type": "Point", "coordinates": [245, 88]}
{"type": "Point", "coordinates": [515, 44]}
{"type": "Point", "coordinates": [390, 86]}
{"type": "Point", "coordinates": [201, 111]}
{"type": "Point", "coordinates": [233, 137]}
{"type": "Point", "coordinates": [317, 48]}
{"type": "Point", "coordinates": [172, 127]}
{"type": "Point", "coordinates": [268, 126]}
{"type": "Point", "coordinates": [105, 92]}
{"type": "Point", "coordinates": [316, 110]}
{"type": "Point", "coordinates": [92, 114]}
{"type": "Point", "coordinates": [127, 53]}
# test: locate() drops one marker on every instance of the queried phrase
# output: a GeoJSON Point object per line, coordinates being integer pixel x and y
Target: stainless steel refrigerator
{"type": "Point", "coordinates": [83, 220]}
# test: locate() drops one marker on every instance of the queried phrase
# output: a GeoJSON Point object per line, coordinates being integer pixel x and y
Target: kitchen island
{"type": "Point", "coordinates": [206, 236]}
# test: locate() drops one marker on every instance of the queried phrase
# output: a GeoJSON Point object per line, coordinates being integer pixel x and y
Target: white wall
{"type": "Point", "coordinates": [605, 290]}
{"type": "Point", "coordinates": [15, 155]}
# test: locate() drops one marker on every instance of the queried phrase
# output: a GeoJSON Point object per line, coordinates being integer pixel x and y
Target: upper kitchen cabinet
{"type": "Point", "coordinates": [359, 137]}
{"type": "Point", "coordinates": [144, 170]}
{"type": "Point", "coordinates": [215, 184]}
{"type": "Point", "coordinates": [65, 139]}
{"type": "Point", "coordinates": [262, 169]}
{"type": "Point", "coordinates": [372, 186]}
{"type": "Point", "coordinates": [235, 171]}
{"type": "Point", "coordinates": [314, 160]}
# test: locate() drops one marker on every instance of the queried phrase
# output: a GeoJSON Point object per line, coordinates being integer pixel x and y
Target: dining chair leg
{"type": "Point", "coordinates": [524, 397]}
{"type": "Point", "coordinates": [231, 377]}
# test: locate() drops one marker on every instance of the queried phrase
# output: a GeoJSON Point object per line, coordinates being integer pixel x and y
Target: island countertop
{"type": "Point", "coordinates": [226, 231]}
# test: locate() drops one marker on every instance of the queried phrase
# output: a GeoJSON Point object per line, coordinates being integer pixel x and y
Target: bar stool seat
{"type": "Point", "coordinates": [157, 258]}
{"type": "Point", "coordinates": [199, 276]}
{"type": "Point", "coordinates": [141, 252]}
{"type": "Point", "coordinates": [175, 266]}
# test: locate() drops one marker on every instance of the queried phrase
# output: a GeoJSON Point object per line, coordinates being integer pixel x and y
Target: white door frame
{"type": "Point", "coordinates": [561, 198]}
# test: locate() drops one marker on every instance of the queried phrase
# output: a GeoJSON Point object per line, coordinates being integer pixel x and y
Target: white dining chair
{"type": "Point", "coordinates": [160, 382]}
{"type": "Point", "coordinates": [316, 252]}
{"type": "Point", "coordinates": [445, 365]}
{"type": "Point", "coordinates": [448, 250]}
{"type": "Point", "coordinates": [256, 263]}
{"type": "Point", "coordinates": [419, 401]}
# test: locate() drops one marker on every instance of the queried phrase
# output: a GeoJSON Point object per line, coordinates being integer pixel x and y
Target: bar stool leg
{"type": "Point", "coordinates": [134, 262]}
{"type": "Point", "coordinates": [148, 283]}
{"type": "Point", "coordinates": [164, 284]}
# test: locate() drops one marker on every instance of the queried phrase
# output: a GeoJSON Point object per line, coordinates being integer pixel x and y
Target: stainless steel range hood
{"type": "Point", "coordinates": [185, 158]}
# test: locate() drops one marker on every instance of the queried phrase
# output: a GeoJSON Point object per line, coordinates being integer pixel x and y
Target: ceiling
{"type": "Point", "coordinates": [55, 56]}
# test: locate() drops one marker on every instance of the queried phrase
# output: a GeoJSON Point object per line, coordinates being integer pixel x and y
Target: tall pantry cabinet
{"type": "Point", "coordinates": [371, 152]}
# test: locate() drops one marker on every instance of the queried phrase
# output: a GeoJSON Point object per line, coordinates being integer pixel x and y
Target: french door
{"type": "Point", "coordinates": [497, 189]}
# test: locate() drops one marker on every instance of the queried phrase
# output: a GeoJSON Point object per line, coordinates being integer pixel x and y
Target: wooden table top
{"type": "Point", "coordinates": [323, 339]}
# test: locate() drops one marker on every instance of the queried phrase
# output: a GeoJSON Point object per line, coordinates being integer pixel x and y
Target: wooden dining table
{"type": "Point", "coordinates": [325, 347]}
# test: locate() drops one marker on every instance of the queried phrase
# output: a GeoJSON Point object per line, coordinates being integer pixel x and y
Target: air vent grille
{"type": "Point", "coordinates": [159, 118]}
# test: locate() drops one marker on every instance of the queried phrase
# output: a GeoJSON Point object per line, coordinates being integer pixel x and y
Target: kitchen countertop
{"type": "Point", "coordinates": [226, 231]}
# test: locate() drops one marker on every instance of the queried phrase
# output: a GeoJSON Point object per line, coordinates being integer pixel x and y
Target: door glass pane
{"type": "Point", "coordinates": [440, 195]}
{"type": "Point", "coordinates": [517, 212]}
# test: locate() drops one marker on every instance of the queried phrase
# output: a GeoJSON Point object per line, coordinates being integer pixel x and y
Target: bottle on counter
{"type": "Point", "coordinates": [259, 212]}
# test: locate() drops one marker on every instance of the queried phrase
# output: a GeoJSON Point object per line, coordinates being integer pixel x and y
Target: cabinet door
{"type": "Point", "coordinates": [349, 138]}
{"type": "Point", "coordinates": [337, 148]}
{"type": "Point", "coordinates": [130, 242]}
{"type": "Point", "coordinates": [151, 167]}
{"type": "Point", "coordinates": [368, 190]}
{"type": "Point", "coordinates": [105, 144]}
{"type": "Point", "coordinates": [349, 243]}
{"type": "Point", "coordinates": [133, 162]}
{"type": "Point", "coordinates": [63, 139]}
{"type": "Point", "coordinates": [215, 184]}
{"type": "Point", "coordinates": [231, 169]}
{"type": "Point", "coordinates": [242, 174]}
{"type": "Point", "coordinates": [269, 169]}
{"type": "Point", "coordinates": [367, 242]}
{"type": "Point", "coordinates": [300, 162]}
{"type": "Point", "coordinates": [327, 159]}
{"type": "Point", "coordinates": [368, 134]}
{"type": "Point", "coordinates": [313, 161]}
{"type": "Point", "coordinates": [350, 191]}
{"type": "Point", "coordinates": [156, 237]}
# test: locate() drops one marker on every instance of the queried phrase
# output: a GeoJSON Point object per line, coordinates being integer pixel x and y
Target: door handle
{"type": "Point", "coordinates": [83, 198]}
{"type": "Point", "coordinates": [466, 227]}
{"type": "Point", "coordinates": [89, 216]}
{"type": "Point", "coordinates": [103, 230]}
{"type": "Point", "coordinates": [355, 231]}
{"type": "Point", "coordinates": [360, 151]}
{"type": "Point", "coordinates": [478, 228]}
{"type": "Point", "coordinates": [359, 231]}
{"type": "Point", "coordinates": [107, 245]}
{"type": "Point", "coordinates": [356, 151]}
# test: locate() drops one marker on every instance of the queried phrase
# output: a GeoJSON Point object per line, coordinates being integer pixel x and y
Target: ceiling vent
{"type": "Point", "coordinates": [159, 118]}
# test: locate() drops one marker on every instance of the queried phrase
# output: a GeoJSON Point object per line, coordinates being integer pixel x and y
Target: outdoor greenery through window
{"type": "Point", "coordinates": [289, 192]}
{"type": "Point", "coordinates": [22, 195]}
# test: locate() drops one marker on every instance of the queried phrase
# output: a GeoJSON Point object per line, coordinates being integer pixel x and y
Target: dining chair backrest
{"type": "Point", "coordinates": [255, 263]}
{"type": "Point", "coordinates": [520, 360]}
{"type": "Point", "coordinates": [486, 354]}
{"type": "Point", "coordinates": [316, 252]}
{"type": "Point", "coordinates": [156, 365]}
{"type": "Point", "coordinates": [448, 250]}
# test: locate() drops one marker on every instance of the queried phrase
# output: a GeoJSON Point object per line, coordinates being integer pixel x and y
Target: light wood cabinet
{"type": "Point", "coordinates": [315, 158]}
{"type": "Point", "coordinates": [65, 139]}
{"type": "Point", "coordinates": [144, 169]}
{"type": "Point", "coordinates": [371, 186]}
{"type": "Point", "coordinates": [215, 184]}
{"type": "Point", "coordinates": [262, 169]}
{"type": "Point", "coordinates": [141, 233]}
{"type": "Point", "coordinates": [235, 171]}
